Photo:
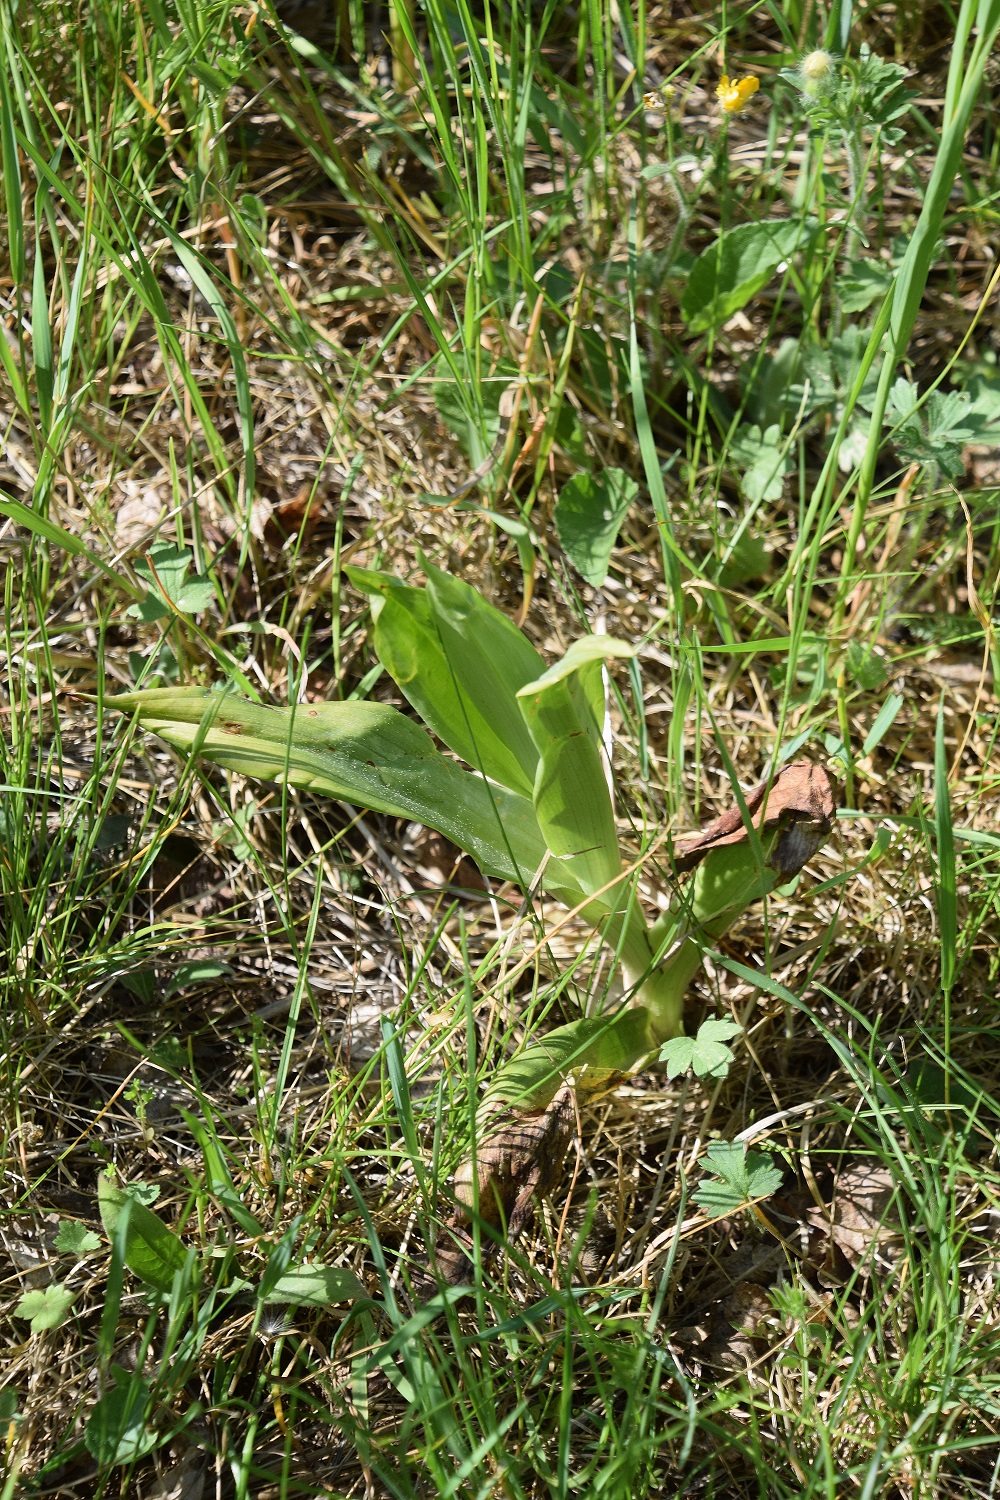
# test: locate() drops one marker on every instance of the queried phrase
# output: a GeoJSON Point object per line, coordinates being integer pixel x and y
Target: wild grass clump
{"type": "Point", "coordinates": [660, 347]}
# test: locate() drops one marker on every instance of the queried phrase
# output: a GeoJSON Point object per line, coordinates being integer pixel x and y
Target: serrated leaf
{"type": "Point", "coordinates": [46, 1309]}
{"type": "Point", "coordinates": [166, 567]}
{"type": "Point", "coordinates": [748, 560]}
{"type": "Point", "coordinates": [764, 461]}
{"type": "Point", "coordinates": [864, 282]}
{"type": "Point", "coordinates": [763, 1177]}
{"type": "Point", "coordinates": [678, 1054]}
{"type": "Point", "coordinates": [718, 1029]}
{"type": "Point", "coordinates": [733, 269]}
{"type": "Point", "coordinates": [148, 610]}
{"type": "Point", "coordinates": [705, 1054]}
{"type": "Point", "coordinates": [196, 595]}
{"type": "Point", "coordinates": [867, 669]}
{"type": "Point", "coordinates": [74, 1238]}
{"type": "Point", "coordinates": [145, 1193]}
{"type": "Point", "coordinates": [741, 1175]}
{"type": "Point", "coordinates": [152, 1251]}
{"type": "Point", "coordinates": [588, 516]}
{"type": "Point", "coordinates": [317, 1286]}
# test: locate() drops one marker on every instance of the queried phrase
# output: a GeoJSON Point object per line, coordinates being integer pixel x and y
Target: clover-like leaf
{"type": "Point", "coordinates": [75, 1238]}
{"type": "Point", "coordinates": [706, 1055]}
{"type": "Point", "coordinates": [764, 459]}
{"type": "Point", "coordinates": [46, 1309]}
{"type": "Point", "coordinates": [166, 568]}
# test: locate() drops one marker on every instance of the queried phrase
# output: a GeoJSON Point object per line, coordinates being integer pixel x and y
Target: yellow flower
{"type": "Point", "coordinates": [734, 93]}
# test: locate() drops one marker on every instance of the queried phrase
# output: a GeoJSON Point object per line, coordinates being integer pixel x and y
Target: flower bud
{"type": "Point", "coordinates": [817, 72]}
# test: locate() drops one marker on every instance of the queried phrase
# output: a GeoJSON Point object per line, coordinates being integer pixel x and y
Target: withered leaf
{"type": "Point", "coordinates": [519, 1154]}
{"type": "Point", "coordinates": [801, 801]}
{"type": "Point", "coordinates": [861, 1219]}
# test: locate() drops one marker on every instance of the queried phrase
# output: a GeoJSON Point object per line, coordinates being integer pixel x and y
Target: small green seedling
{"type": "Point", "coordinates": [740, 1177]}
{"type": "Point", "coordinates": [705, 1055]}
{"type": "Point", "coordinates": [46, 1309]}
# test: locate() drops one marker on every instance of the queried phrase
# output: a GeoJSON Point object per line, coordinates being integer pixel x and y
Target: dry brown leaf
{"type": "Point", "coordinates": [801, 801]}
{"type": "Point", "coordinates": [736, 1333]}
{"type": "Point", "coordinates": [861, 1216]}
{"type": "Point", "coordinates": [520, 1154]}
{"type": "Point", "coordinates": [185, 1481]}
{"type": "Point", "coordinates": [139, 514]}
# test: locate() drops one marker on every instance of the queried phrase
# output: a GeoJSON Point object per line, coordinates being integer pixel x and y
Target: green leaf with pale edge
{"type": "Point", "coordinates": [46, 1309]}
{"type": "Point", "coordinates": [741, 1177]}
{"type": "Point", "coordinates": [706, 1054]}
{"type": "Point", "coordinates": [366, 753]}
{"type": "Point", "coordinates": [733, 269]}
{"type": "Point", "coordinates": [196, 971]}
{"type": "Point", "coordinates": [317, 1286]}
{"type": "Point", "coordinates": [588, 516]}
{"type": "Point", "coordinates": [572, 801]}
{"type": "Point", "coordinates": [75, 1238]}
{"type": "Point", "coordinates": [152, 1251]}
{"type": "Point", "coordinates": [460, 663]}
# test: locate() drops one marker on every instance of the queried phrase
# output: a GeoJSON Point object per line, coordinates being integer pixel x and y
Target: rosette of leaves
{"type": "Point", "coordinates": [531, 804]}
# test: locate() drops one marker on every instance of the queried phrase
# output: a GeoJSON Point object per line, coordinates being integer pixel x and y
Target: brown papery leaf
{"type": "Point", "coordinates": [518, 1155]}
{"type": "Point", "coordinates": [801, 801]}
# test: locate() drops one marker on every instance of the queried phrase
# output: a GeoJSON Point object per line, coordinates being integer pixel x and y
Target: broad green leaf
{"type": "Point", "coordinates": [196, 971]}
{"type": "Point", "coordinates": [588, 517]}
{"type": "Point", "coordinates": [460, 663]}
{"type": "Point", "coordinates": [46, 1309]}
{"type": "Point", "coordinates": [591, 1050]}
{"type": "Point", "coordinates": [116, 1431]}
{"type": "Point", "coordinates": [152, 1251]}
{"type": "Point", "coordinates": [317, 1286]}
{"type": "Point", "coordinates": [75, 1238]}
{"type": "Point", "coordinates": [365, 753]}
{"type": "Point", "coordinates": [572, 801]}
{"type": "Point", "coordinates": [733, 269]}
